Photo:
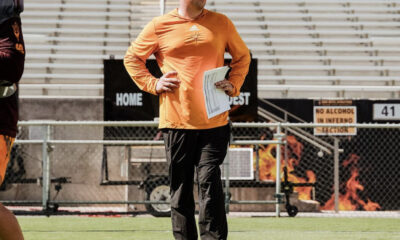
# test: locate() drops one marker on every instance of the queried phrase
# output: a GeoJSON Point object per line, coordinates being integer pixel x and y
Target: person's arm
{"type": "Point", "coordinates": [240, 59]}
{"type": "Point", "coordinates": [135, 59]}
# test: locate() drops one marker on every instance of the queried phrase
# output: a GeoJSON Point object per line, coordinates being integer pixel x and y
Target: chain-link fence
{"type": "Point", "coordinates": [115, 168]}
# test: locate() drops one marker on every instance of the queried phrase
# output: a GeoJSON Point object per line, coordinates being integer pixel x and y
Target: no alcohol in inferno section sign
{"type": "Point", "coordinates": [335, 115]}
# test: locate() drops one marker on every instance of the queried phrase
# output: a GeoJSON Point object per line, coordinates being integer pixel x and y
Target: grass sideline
{"type": "Point", "coordinates": [259, 228]}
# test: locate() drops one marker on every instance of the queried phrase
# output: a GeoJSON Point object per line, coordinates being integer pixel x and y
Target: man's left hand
{"type": "Point", "coordinates": [225, 85]}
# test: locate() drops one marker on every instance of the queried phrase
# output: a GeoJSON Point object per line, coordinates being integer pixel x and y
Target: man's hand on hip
{"type": "Point", "coordinates": [225, 85]}
{"type": "Point", "coordinates": [168, 82]}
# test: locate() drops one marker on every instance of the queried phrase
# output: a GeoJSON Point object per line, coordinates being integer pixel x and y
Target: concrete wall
{"type": "Point", "coordinates": [61, 109]}
{"type": "Point", "coordinates": [82, 163]}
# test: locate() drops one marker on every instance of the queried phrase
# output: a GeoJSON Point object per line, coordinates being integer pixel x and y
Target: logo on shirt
{"type": "Point", "coordinates": [17, 34]}
{"type": "Point", "coordinates": [194, 35]}
{"type": "Point", "coordinates": [194, 28]}
{"type": "Point", "coordinates": [16, 30]}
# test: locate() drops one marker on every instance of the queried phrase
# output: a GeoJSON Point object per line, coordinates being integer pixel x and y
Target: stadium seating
{"type": "Point", "coordinates": [66, 43]}
{"type": "Point", "coordinates": [305, 48]}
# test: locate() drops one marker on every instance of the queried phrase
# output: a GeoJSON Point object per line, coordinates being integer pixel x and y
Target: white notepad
{"type": "Point", "coordinates": [216, 100]}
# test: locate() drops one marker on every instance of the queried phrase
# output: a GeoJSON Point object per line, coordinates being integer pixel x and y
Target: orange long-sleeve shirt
{"type": "Point", "coordinates": [189, 47]}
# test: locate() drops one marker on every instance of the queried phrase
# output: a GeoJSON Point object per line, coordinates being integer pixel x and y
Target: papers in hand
{"type": "Point", "coordinates": [216, 100]}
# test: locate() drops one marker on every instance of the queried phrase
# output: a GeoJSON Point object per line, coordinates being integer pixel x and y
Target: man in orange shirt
{"type": "Point", "coordinates": [187, 42]}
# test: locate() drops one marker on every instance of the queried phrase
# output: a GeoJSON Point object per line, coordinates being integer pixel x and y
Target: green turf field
{"type": "Point", "coordinates": [240, 228]}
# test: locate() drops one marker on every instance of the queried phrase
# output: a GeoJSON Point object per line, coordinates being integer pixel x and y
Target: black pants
{"type": "Point", "coordinates": [203, 150]}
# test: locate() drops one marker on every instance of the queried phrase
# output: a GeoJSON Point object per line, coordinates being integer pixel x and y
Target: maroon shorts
{"type": "Point", "coordinates": [12, 50]}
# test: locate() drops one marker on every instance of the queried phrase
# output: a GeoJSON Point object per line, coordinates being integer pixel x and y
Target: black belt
{"type": "Point", "coordinates": [6, 91]}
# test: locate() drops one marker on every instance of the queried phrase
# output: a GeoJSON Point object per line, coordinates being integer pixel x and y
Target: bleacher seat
{"type": "Point", "coordinates": [306, 48]}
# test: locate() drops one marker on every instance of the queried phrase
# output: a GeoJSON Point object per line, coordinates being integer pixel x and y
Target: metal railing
{"type": "Point", "coordinates": [279, 139]}
{"type": "Point", "coordinates": [162, 7]}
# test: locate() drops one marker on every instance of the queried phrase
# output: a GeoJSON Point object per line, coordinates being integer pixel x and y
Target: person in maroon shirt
{"type": "Point", "coordinates": [12, 59]}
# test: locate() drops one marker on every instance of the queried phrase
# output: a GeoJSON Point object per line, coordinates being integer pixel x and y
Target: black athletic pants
{"type": "Point", "coordinates": [203, 150]}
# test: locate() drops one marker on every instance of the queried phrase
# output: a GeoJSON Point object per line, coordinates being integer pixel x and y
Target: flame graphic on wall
{"type": "Point", "coordinates": [350, 200]}
{"type": "Point", "coordinates": [267, 165]}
